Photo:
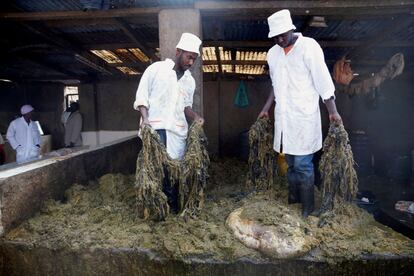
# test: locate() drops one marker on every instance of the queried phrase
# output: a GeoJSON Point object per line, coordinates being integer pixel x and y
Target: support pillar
{"type": "Point", "coordinates": [172, 23]}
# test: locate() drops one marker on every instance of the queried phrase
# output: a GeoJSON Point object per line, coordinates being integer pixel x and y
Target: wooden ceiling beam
{"type": "Point", "coordinates": [264, 62]}
{"type": "Point", "coordinates": [80, 54]}
{"type": "Point", "coordinates": [50, 66]}
{"type": "Point", "coordinates": [232, 8]}
{"type": "Point", "coordinates": [235, 62]}
{"type": "Point", "coordinates": [323, 43]}
{"type": "Point", "coordinates": [81, 15]}
{"type": "Point", "coordinates": [139, 42]}
{"type": "Point", "coordinates": [334, 7]}
{"type": "Point", "coordinates": [86, 22]}
{"type": "Point", "coordinates": [219, 62]}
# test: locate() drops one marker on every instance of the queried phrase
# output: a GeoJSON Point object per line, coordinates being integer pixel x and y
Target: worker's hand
{"type": "Point", "coordinates": [263, 114]}
{"type": "Point", "coordinates": [145, 122]}
{"type": "Point", "coordinates": [335, 118]}
{"type": "Point", "coordinates": [199, 120]}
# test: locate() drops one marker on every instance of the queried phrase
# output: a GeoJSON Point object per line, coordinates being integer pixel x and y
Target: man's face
{"type": "Point", "coordinates": [185, 59]}
{"type": "Point", "coordinates": [284, 40]}
{"type": "Point", "coordinates": [28, 116]}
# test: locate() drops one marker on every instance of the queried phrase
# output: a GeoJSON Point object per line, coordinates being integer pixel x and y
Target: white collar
{"type": "Point", "coordinates": [171, 64]}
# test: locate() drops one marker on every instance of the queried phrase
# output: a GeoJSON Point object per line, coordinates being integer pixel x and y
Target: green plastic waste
{"type": "Point", "coordinates": [241, 99]}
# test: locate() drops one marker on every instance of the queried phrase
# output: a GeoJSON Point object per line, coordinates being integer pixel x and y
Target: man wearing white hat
{"type": "Point", "coordinates": [165, 97]}
{"type": "Point", "coordinates": [24, 136]}
{"type": "Point", "coordinates": [299, 77]}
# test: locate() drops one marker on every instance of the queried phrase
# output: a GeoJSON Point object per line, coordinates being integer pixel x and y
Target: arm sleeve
{"type": "Point", "coordinates": [37, 138]}
{"type": "Point", "coordinates": [77, 128]}
{"type": "Point", "coordinates": [11, 132]}
{"type": "Point", "coordinates": [321, 77]}
{"type": "Point", "coordinates": [188, 98]}
{"type": "Point", "coordinates": [143, 91]}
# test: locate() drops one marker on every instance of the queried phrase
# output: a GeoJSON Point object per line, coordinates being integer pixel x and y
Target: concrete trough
{"type": "Point", "coordinates": [22, 191]}
{"type": "Point", "coordinates": [23, 259]}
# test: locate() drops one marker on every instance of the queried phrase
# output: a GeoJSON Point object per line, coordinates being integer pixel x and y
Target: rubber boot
{"type": "Point", "coordinates": [307, 198]}
{"type": "Point", "coordinates": [293, 196]}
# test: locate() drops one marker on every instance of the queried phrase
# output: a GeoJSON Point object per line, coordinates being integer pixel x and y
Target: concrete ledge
{"type": "Point", "coordinates": [23, 259]}
{"type": "Point", "coordinates": [23, 189]}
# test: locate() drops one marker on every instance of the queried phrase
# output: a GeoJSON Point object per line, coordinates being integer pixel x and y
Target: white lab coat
{"type": "Point", "coordinates": [299, 79]}
{"type": "Point", "coordinates": [73, 129]}
{"type": "Point", "coordinates": [166, 98]}
{"type": "Point", "coordinates": [23, 138]}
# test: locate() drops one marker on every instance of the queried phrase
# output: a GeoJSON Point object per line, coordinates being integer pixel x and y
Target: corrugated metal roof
{"type": "Point", "coordinates": [128, 70]}
{"type": "Point", "coordinates": [76, 5]}
{"type": "Point", "coordinates": [139, 54]}
{"type": "Point", "coordinates": [48, 5]}
{"type": "Point", "coordinates": [210, 68]}
{"type": "Point", "coordinates": [250, 69]}
{"type": "Point", "coordinates": [250, 55]}
{"type": "Point", "coordinates": [106, 55]}
{"type": "Point", "coordinates": [209, 53]}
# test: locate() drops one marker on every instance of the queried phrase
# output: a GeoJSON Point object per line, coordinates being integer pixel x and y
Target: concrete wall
{"type": "Point", "coordinates": [115, 117]}
{"type": "Point", "coordinates": [115, 111]}
{"type": "Point", "coordinates": [225, 121]}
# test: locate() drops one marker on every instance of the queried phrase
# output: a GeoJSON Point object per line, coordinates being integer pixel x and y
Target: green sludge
{"type": "Point", "coordinates": [104, 215]}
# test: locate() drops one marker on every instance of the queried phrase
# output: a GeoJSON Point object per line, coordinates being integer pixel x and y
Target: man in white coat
{"type": "Point", "coordinates": [299, 77]}
{"type": "Point", "coordinates": [165, 97]}
{"type": "Point", "coordinates": [73, 126]}
{"type": "Point", "coordinates": [24, 136]}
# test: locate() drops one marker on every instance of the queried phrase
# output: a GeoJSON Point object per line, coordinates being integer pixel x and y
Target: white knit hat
{"type": "Point", "coordinates": [26, 109]}
{"type": "Point", "coordinates": [190, 43]}
{"type": "Point", "coordinates": [280, 22]}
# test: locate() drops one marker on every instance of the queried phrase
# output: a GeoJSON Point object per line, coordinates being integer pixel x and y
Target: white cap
{"type": "Point", "coordinates": [280, 22]}
{"type": "Point", "coordinates": [26, 109]}
{"type": "Point", "coordinates": [190, 43]}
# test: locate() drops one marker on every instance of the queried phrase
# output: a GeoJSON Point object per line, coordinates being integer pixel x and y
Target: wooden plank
{"type": "Point", "coordinates": [219, 63]}
{"type": "Point", "coordinates": [85, 22]}
{"type": "Point", "coordinates": [231, 5]}
{"type": "Point", "coordinates": [51, 66]}
{"type": "Point", "coordinates": [264, 62]}
{"type": "Point", "coordinates": [236, 62]}
{"type": "Point", "coordinates": [111, 46]}
{"type": "Point", "coordinates": [80, 15]}
{"type": "Point", "coordinates": [382, 7]}
{"type": "Point", "coordinates": [323, 43]}
{"type": "Point", "coordinates": [232, 8]}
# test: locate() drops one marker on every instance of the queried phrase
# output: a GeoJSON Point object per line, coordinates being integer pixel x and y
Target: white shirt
{"type": "Point", "coordinates": [23, 138]}
{"type": "Point", "coordinates": [299, 79]}
{"type": "Point", "coordinates": [165, 97]}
